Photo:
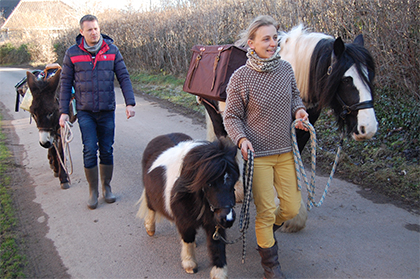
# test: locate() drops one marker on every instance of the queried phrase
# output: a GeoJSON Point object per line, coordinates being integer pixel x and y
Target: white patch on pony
{"type": "Point", "coordinates": [45, 137]}
{"type": "Point", "coordinates": [171, 160]}
{"type": "Point", "coordinates": [366, 119]}
{"type": "Point", "coordinates": [296, 47]}
{"type": "Point", "coordinates": [229, 217]}
{"type": "Point", "coordinates": [219, 273]}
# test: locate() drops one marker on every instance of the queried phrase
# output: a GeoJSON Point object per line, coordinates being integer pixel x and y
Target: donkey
{"type": "Point", "coordinates": [44, 110]}
{"type": "Point", "coordinates": [191, 183]}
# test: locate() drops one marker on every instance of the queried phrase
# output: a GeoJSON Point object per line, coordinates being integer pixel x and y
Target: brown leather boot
{"type": "Point", "coordinates": [270, 262]}
{"type": "Point", "coordinates": [106, 176]}
{"type": "Point", "coordinates": [92, 179]}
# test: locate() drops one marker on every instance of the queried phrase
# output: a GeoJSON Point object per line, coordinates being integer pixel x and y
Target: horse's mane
{"type": "Point", "coordinates": [300, 41]}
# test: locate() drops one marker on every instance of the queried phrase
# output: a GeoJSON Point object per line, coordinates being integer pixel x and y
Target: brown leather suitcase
{"type": "Point", "coordinates": [211, 68]}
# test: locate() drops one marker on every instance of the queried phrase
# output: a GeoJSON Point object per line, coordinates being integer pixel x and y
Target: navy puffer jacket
{"type": "Point", "coordinates": [94, 78]}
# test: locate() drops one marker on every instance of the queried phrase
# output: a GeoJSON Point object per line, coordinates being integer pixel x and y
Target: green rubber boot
{"type": "Point", "coordinates": [106, 177]}
{"type": "Point", "coordinates": [92, 179]}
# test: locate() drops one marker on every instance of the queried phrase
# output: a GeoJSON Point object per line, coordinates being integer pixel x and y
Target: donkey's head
{"type": "Point", "coordinates": [44, 108]}
{"type": "Point", "coordinates": [216, 172]}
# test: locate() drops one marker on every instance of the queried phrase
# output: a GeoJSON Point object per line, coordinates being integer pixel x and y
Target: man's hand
{"type": "Point", "coordinates": [129, 111]}
{"type": "Point", "coordinates": [63, 119]}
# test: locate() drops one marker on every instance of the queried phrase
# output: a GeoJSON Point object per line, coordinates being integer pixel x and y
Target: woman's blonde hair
{"type": "Point", "coordinates": [249, 33]}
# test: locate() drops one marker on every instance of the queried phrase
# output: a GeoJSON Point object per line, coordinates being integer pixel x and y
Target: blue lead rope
{"type": "Point", "coordinates": [300, 170]}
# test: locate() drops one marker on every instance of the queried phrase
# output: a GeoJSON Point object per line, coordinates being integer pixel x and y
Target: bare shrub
{"type": "Point", "coordinates": [160, 40]}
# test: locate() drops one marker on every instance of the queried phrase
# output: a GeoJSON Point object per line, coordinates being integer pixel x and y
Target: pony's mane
{"type": "Point", "coordinates": [300, 40]}
{"type": "Point", "coordinates": [206, 163]}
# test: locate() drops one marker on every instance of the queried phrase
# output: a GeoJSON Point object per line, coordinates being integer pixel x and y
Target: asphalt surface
{"type": "Point", "coordinates": [349, 236]}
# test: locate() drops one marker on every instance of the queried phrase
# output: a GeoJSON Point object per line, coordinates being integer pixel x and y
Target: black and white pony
{"type": "Point", "coordinates": [329, 74]}
{"type": "Point", "coordinates": [45, 112]}
{"type": "Point", "coordinates": [191, 183]}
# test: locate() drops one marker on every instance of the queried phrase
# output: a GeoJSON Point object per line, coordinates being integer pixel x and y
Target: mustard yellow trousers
{"type": "Point", "coordinates": [277, 170]}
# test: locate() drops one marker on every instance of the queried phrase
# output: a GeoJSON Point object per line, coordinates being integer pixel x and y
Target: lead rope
{"type": "Point", "coordinates": [248, 173]}
{"type": "Point", "coordinates": [300, 170]}
{"type": "Point", "coordinates": [66, 137]}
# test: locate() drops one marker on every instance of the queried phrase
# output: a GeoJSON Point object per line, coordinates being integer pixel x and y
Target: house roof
{"type": "Point", "coordinates": [7, 6]}
{"type": "Point", "coordinates": [41, 15]}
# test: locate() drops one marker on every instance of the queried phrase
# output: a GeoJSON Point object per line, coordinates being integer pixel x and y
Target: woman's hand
{"type": "Point", "coordinates": [302, 116]}
{"type": "Point", "coordinates": [244, 145]}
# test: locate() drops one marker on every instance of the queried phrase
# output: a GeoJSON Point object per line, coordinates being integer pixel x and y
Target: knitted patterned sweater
{"type": "Point", "coordinates": [260, 106]}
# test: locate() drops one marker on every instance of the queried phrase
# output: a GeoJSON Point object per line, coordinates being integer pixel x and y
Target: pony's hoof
{"type": "Point", "coordinates": [218, 272]}
{"type": "Point", "coordinates": [55, 174]}
{"type": "Point", "coordinates": [150, 233]}
{"type": "Point", "coordinates": [65, 185]}
{"type": "Point", "coordinates": [191, 270]}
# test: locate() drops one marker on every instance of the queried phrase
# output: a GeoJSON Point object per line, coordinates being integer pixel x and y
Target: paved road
{"type": "Point", "coordinates": [347, 237]}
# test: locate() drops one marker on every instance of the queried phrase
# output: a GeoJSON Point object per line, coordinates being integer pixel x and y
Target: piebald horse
{"type": "Point", "coordinates": [329, 74]}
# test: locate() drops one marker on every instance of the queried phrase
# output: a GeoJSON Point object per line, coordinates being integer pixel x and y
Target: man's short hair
{"type": "Point", "coordinates": [87, 18]}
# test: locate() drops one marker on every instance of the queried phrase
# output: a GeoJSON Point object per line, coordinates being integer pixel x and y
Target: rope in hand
{"type": "Point", "coordinates": [300, 170]}
{"type": "Point", "coordinates": [248, 173]}
{"type": "Point", "coordinates": [66, 137]}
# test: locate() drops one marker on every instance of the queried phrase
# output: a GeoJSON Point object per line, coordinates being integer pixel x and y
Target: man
{"type": "Point", "coordinates": [89, 67]}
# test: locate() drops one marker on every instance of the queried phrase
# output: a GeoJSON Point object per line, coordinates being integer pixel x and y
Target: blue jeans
{"type": "Point", "coordinates": [98, 130]}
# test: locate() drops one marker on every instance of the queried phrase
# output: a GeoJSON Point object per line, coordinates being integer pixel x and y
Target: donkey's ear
{"type": "Point", "coordinates": [54, 80]}
{"type": "Point", "coordinates": [339, 47]}
{"type": "Point", "coordinates": [359, 40]}
{"type": "Point", "coordinates": [31, 79]}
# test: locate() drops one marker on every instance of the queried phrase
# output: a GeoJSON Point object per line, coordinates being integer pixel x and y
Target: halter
{"type": "Point", "coordinates": [355, 107]}
{"type": "Point", "coordinates": [214, 208]}
{"type": "Point", "coordinates": [346, 108]}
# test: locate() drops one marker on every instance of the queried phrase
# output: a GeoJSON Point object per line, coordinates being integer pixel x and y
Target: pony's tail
{"type": "Point", "coordinates": [143, 209]}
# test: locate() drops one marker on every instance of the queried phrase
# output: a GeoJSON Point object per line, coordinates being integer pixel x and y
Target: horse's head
{"type": "Point", "coordinates": [216, 172]}
{"type": "Point", "coordinates": [44, 108]}
{"type": "Point", "coordinates": [351, 75]}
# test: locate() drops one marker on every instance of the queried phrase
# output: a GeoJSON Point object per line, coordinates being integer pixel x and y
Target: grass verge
{"type": "Point", "coordinates": [165, 87]}
{"type": "Point", "coordinates": [11, 260]}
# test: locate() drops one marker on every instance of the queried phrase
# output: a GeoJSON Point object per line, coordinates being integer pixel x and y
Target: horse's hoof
{"type": "Point", "coordinates": [150, 233]}
{"type": "Point", "coordinates": [65, 185]}
{"type": "Point", "coordinates": [55, 174]}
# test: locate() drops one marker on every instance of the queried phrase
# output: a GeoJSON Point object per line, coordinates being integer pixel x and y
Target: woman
{"type": "Point", "coordinates": [262, 99]}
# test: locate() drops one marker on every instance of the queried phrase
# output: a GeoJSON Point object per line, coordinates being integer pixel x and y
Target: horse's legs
{"type": "Point", "coordinates": [189, 262]}
{"type": "Point", "coordinates": [217, 252]}
{"type": "Point", "coordinates": [298, 222]}
{"type": "Point", "coordinates": [215, 116]}
{"type": "Point", "coordinates": [150, 222]}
